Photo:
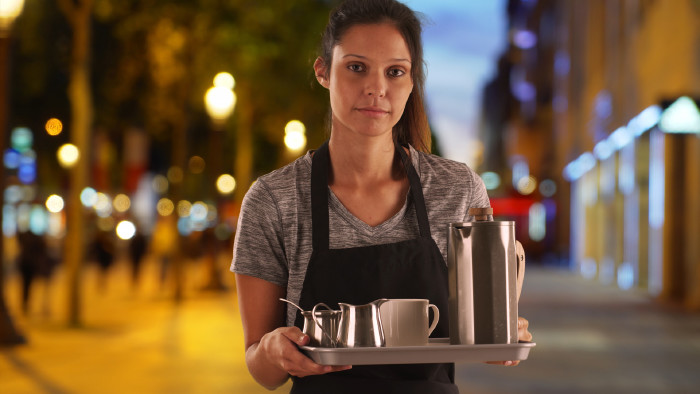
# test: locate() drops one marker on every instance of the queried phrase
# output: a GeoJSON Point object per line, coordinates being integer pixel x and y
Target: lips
{"type": "Point", "coordinates": [374, 112]}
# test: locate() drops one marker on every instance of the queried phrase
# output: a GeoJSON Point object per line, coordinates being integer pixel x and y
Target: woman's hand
{"type": "Point", "coordinates": [280, 349]}
{"type": "Point", "coordinates": [523, 335]}
{"type": "Point", "coordinates": [271, 349]}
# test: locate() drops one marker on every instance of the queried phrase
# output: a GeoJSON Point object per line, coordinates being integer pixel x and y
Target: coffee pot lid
{"type": "Point", "coordinates": [480, 214]}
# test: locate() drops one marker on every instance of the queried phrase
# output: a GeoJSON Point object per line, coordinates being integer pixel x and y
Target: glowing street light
{"type": "Point", "coordinates": [295, 136]}
{"type": "Point", "coordinates": [9, 10]}
{"type": "Point", "coordinates": [125, 230]}
{"type": "Point", "coordinates": [226, 184]}
{"type": "Point", "coordinates": [68, 155]}
{"type": "Point", "coordinates": [220, 100]}
{"type": "Point", "coordinates": [54, 203]}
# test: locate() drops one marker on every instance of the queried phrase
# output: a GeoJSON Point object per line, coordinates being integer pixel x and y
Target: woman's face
{"type": "Point", "coordinates": [369, 79]}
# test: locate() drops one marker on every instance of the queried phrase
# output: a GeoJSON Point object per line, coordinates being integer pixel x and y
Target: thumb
{"type": "Point", "coordinates": [295, 335]}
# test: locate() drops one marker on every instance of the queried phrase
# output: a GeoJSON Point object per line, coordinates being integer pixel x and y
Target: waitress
{"type": "Point", "coordinates": [362, 217]}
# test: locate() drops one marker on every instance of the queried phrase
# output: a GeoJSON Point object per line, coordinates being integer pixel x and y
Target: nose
{"type": "Point", "coordinates": [376, 85]}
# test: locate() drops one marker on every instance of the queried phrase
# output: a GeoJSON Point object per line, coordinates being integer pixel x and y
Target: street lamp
{"type": "Point", "coordinates": [9, 10]}
{"type": "Point", "coordinates": [295, 136]}
{"type": "Point", "coordinates": [220, 99]}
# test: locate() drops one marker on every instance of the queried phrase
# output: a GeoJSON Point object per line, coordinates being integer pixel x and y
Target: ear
{"type": "Point", "coordinates": [321, 71]}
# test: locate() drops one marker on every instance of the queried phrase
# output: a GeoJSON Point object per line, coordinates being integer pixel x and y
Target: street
{"type": "Point", "coordinates": [590, 338]}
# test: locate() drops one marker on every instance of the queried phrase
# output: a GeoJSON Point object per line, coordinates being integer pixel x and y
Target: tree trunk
{"type": "Point", "coordinates": [243, 165]}
{"type": "Point", "coordinates": [8, 334]}
{"type": "Point", "coordinates": [80, 96]}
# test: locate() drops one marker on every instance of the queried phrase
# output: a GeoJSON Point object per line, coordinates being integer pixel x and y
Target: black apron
{"type": "Point", "coordinates": [408, 269]}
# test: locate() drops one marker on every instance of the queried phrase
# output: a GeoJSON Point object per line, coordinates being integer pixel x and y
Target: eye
{"type": "Point", "coordinates": [396, 72]}
{"type": "Point", "coordinates": [356, 67]}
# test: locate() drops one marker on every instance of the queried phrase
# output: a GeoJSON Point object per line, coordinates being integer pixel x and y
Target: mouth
{"type": "Point", "coordinates": [374, 112]}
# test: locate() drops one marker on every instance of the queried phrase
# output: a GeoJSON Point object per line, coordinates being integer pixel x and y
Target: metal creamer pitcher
{"type": "Point", "coordinates": [483, 276]}
{"type": "Point", "coordinates": [359, 326]}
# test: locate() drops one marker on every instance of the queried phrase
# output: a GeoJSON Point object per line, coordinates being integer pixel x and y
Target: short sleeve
{"type": "Point", "coordinates": [258, 248]}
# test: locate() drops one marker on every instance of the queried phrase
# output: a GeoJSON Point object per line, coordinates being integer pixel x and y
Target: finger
{"type": "Point", "coordinates": [297, 363]}
{"type": "Point", "coordinates": [523, 333]}
{"type": "Point", "coordinates": [295, 335]}
{"type": "Point", "coordinates": [302, 366]}
{"type": "Point", "coordinates": [509, 363]}
{"type": "Point", "coordinates": [523, 323]}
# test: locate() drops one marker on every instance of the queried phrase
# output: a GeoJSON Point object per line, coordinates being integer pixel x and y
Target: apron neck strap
{"type": "Point", "coordinates": [319, 196]}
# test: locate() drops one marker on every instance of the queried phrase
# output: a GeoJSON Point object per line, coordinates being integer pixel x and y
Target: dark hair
{"type": "Point", "coordinates": [413, 126]}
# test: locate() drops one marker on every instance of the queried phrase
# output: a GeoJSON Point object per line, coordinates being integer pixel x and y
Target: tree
{"type": "Point", "coordinates": [8, 333]}
{"type": "Point", "coordinates": [148, 63]}
{"type": "Point", "coordinates": [79, 15]}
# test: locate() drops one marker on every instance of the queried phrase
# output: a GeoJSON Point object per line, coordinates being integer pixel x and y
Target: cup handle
{"type": "Point", "coordinates": [520, 268]}
{"type": "Point", "coordinates": [313, 316]}
{"type": "Point", "coordinates": [436, 318]}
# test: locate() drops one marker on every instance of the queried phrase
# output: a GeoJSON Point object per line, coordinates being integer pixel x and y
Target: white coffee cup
{"type": "Point", "coordinates": [405, 321]}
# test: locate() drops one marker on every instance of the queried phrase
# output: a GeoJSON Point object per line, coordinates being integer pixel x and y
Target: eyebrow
{"type": "Point", "coordinates": [365, 57]}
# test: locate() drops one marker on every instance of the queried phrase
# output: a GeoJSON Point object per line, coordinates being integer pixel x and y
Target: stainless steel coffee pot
{"type": "Point", "coordinates": [482, 265]}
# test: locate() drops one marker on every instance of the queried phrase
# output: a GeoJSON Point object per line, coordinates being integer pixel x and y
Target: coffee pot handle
{"type": "Point", "coordinates": [436, 318]}
{"type": "Point", "coordinates": [520, 267]}
{"type": "Point", "coordinates": [313, 316]}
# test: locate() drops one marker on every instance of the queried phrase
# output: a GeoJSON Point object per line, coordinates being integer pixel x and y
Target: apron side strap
{"type": "Point", "coordinates": [319, 198]}
{"type": "Point", "coordinates": [416, 192]}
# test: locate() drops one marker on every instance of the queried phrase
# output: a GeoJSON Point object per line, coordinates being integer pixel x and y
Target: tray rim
{"type": "Point", "coordinates": [438, 350]}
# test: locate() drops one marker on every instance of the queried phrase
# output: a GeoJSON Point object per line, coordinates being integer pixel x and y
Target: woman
{"type": "Point", "coordinates": [362, 217]}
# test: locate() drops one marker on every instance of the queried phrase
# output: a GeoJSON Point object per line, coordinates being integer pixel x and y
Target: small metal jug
{"type": "Point", "coordinates": [321, 326]}
{"type": "Point", "coordinates": [360, 325]}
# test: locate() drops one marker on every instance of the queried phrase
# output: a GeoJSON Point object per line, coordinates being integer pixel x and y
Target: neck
{"type": "Point", "coordinates": [361, 160]}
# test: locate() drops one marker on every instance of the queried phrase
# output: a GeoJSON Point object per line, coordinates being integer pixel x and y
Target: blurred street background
{"type": "Point", "coordinates": [131, 130]}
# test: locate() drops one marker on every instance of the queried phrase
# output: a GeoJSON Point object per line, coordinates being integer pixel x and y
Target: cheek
{"type": "Point", "coordinates": [402, 98]}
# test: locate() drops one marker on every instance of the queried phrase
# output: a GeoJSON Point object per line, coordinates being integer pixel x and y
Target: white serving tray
{"type": "Point", "coordinates": [438, 350]}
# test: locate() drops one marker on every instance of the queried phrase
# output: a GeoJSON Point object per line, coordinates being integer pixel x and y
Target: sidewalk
{"type": "Point", "coordinates": [595, 338]}
{"type": "Point", "coordinates": [590, 338]}
{"type": "Point", "coordinates": [133, 341]}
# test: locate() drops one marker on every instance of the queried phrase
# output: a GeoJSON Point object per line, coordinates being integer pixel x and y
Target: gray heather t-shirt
{"type": "Point", "coordinates": [273, 238]}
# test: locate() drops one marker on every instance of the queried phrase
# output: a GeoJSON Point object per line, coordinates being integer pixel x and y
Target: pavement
{"type": "Point", "coordinates": [591, 338]}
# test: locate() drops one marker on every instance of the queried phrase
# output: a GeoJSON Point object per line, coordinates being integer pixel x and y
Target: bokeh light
{"type": "Point", "coordinates": [13, 194]}
{"type": "Point", "coordinates": [175, 174]}
{"type": "Point", "coordinates": [527, 185]}
{"type": "Point", "coordinates": [224, 80]}
{"type": "Point", "coordinates": [21, 139]}
{"type": "Point", "coordinates": [88, 197]}
{"type": "Point", "coordinates": [295, 135]}
{"type": "Point", "coordinates": [196, 164]}
{"type": "Point", "coordinates": [121, 203]}
{"type": "Point", "coordinates": [165, 207]}
{"type": "Point", "coordinates": [68, 155]}
{"type": "Point", "coordinates": [183, 208]}
{"type": "Point", "coordinates": [105, 223]}
{"type": "Point", "coordinates": [548, 188]}
{"type": "Point", "coordinates": [160, 184]}
{"type": "Point", "coordinates": [54, 126]}
{"type": "Point", "coordinates": [38, 220]}
{"type": "Point", "coordinates": [103, 206]}
{"type": "Point", "coordinates": [11, 158]}
{"type": "Point", "coordinates": [198, 211]}
{"type": "Point", "coordinates": [226, 184]}
{"type": "Point", "coordinates": [54, 203]}
{"type": "Point", "coordinates": [220, 102]}
{"type": "Point", "coordinates": [491, 180]}
{"type": "Point", "coordinates": [125, 229]}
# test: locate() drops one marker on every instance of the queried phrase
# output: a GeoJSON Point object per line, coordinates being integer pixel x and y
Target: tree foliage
{"type": "Point", "coordinates": [154, 59]}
